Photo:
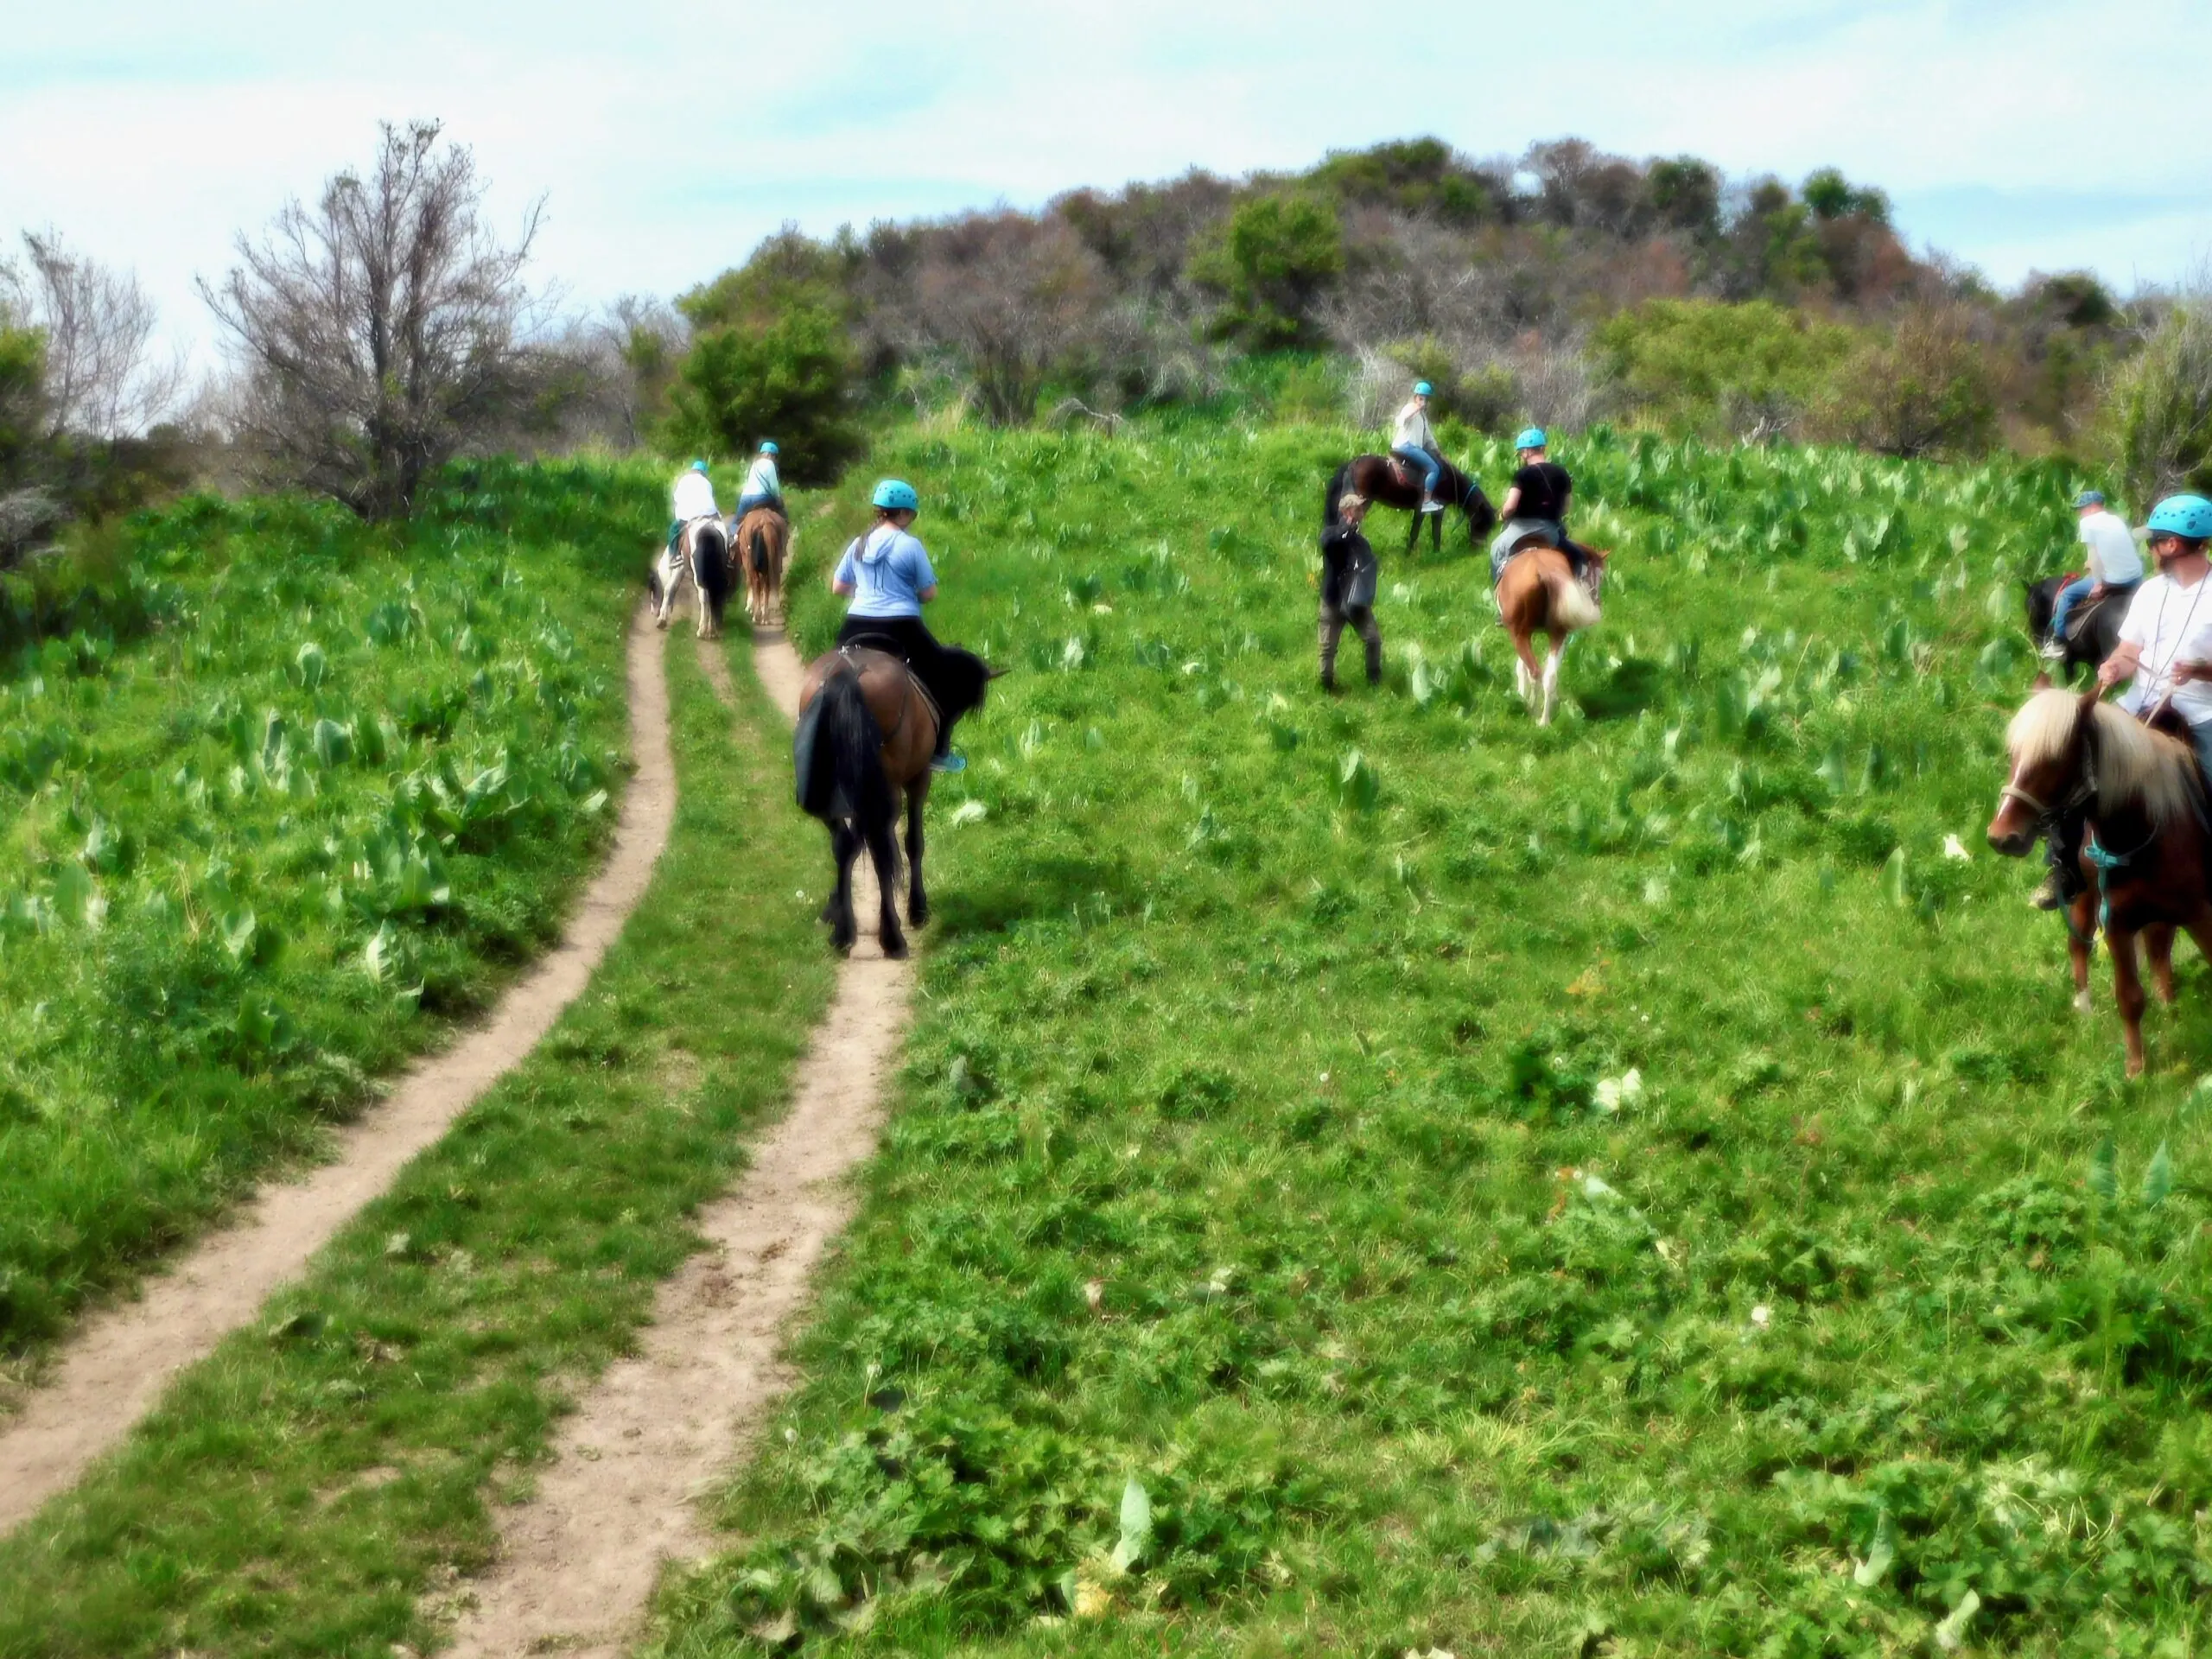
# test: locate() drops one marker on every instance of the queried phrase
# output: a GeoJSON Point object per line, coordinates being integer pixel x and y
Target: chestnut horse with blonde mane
{"type": "Point", "coordinates": [762, 540]}
{"type": "Point", "coordinates": [1539, 593]}
{"type": "Point", "coordinates": [2143, 856]}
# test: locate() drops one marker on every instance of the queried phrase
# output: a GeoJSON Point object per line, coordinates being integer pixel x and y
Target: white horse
{"type": "Point", "coordinates": [699, 555]}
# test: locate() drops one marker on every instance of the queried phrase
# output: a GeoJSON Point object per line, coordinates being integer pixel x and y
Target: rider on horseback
{"type": "Point", "coordinates": [762, 488]}
{"type": "Point", "coordinates": [693, 497]}
{"type": "Point", "coordinates": [1413, 442]}
{"type": "Point", "coordinates": [887, 572]}
{"type": "Point", "coordinates": [1534, 508]}
{"type": "Point", "coordinates": [2165, 650]}
{"type": "Point", "coordinates": [2115, 567]}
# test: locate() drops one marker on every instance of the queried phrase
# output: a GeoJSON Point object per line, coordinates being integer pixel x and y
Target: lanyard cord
{"type": "Point", "coordinates": [2166, 668]}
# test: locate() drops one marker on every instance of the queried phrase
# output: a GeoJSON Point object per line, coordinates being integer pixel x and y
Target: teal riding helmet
{"type": "Point", "coordinates": [2188, 517]}
{"type": "Point", "coordinates": [1532, 437]}
{"type": "Point", "coordinates": [896, 495]}
{"type": "Point", "coordinates": [699, 465]}
{"type": "Point", "coordinates": [1423, 389]}
{"type": "Point", "coordinates": [770, 450]}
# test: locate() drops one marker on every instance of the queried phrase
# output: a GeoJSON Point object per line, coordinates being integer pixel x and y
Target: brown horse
{"type": "Point", "coordinates": [2143, 856]}
{"type": "Point", "coordinates": [871, 742]}
{"type": "Point", "coordinates": [1379, 479]}
{"type": "Point", "coordinates": [1539, 593]}
{"type": "Point", "coordinates": [763, 540]}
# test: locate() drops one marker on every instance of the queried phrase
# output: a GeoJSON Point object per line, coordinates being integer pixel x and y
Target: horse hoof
{"type": "Point", "coordinates": [918, 916]}
{"type": "Point", "coordinates": [2082, 1002]}
{"type": "Point", "coordinates": [895, 950]}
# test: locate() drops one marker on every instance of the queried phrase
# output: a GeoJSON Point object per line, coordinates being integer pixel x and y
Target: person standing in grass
{"type": "Point", "coordinates": [1413, 442]}
{"type": "Point", "coordinates": [886, 572]}
{"type": "Point", "coordinates": [2165, 654]}
{"type": "Point", "coordinates": [2114, 566]}
{"type": "Point", "coordinates": [1348, 578]}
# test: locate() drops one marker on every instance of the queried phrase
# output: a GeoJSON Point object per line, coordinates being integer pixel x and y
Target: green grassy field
{"type": "Point", "coordinates": [1375, 1175]}
{"type": "Point", "coordinates": [318, 1485]}
{"type": "Point", "coordinates": [294, 798]}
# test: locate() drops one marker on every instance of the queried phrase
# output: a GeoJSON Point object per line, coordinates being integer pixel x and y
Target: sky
{"type": "Point", "coordinates": [667, 136]}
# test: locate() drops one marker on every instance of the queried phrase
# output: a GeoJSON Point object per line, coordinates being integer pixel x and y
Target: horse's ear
{"type": "Point", "coordinates": [2042, 682]}
{"type": "Point", "coordinates": [990, 674]}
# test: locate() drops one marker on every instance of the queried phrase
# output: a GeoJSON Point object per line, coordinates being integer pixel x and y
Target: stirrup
{"type": "Point", "coordinates": [948, 762]}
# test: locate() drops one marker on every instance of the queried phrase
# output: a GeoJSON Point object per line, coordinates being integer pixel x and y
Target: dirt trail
{"type": "Point", "coordinates": [114, 1367]}
{"type": "Point", "coordinates": [578, 1563]}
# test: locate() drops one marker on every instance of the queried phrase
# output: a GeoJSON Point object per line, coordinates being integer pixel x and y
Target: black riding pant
{"type": "Point", "coordinates": [2062, 838]}
{"type": "Point", "coordinates": [934, 665]}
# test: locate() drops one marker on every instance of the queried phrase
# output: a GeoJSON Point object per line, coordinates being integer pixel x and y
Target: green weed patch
{"type": "Point", "coordinates": [1373, 1174]}
{"type": "Point", "coordinates": [292, 798]}
{"type": "Point", "coordinates": [319, 1483]}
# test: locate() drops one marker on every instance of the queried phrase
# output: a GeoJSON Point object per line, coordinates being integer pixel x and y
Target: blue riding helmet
{"type": "Point", "coordinates": [770, 450]}
{"type": "Point", "coordinates": [897, 495]}
{"type": "Point", "coordinates": [1423, 389]}
{"type": "Point", "coordinates": [1531, 437]}
{"type": "Point", "coordinates": [2188, 517]}
{"type": "Point", "coordinates": [699, 465]}
{"type": "Point", "coordinates": [2090, 498]}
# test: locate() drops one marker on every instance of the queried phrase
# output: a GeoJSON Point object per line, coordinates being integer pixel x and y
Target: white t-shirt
{"type": "Point", "coordinates": [2170, 623]}
{"type": "Point", "coordinates": [760, 477]}
{"type": "Point", "coordinates": [2114, 558]}
{"type": "Point", "coordinates": [694, 497]}
{"type": "Point", "coordinates": [1413, 429]}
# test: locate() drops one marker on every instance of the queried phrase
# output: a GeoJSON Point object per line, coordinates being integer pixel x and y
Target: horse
{"type": "Point", "coordinates": [2144, 857]}
{"type": "Point", "coordinates": [701, 555]}
{"type": "Point", "coordinates": [763, 538]}
{"type": "Point", "coordinates": [1379, 479]}
{"type": "Point", "coordinates": [1539, 593]}
{"type": "Point", "coordinates": [2093, 628]}
{"type": "Point", "coordinates": [869, 743]}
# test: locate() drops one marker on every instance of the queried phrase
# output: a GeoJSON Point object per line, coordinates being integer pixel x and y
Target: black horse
{"type": "Point", "coordinates": [1379, 478]}
{"type": "Point", "coordinates": [2093, 629]}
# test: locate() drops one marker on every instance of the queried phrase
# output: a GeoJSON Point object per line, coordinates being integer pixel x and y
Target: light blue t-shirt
{"type": "Point", "coordinates": [889, 574]}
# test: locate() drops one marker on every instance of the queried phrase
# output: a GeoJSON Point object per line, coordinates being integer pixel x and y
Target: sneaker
{"type": "Point", "coordinates": [1432, 507]}
{"type": "Point", "coordinates": [948, 762]}
{"type": "Point", "coordinates": [2048, 897]}
{"type": "Point", "coordinates": [2053, 651]}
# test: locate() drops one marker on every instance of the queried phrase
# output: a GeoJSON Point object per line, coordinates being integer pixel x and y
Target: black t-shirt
{"type": "Point", "coordinates": [1544, 486]}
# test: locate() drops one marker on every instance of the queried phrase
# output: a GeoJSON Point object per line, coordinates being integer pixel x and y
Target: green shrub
{"type": "Point", "coordinates": [1718, 369]}
{"type": "Point", "coordinates": [1271, 264]}
{"type": "Point", "coordinates": [790, 379]}
{"type": "Point", "coordinates": [2159, 415]}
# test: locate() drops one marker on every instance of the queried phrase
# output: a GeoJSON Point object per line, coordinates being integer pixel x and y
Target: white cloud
{"type": "Point", "coordinates": [669, 135]}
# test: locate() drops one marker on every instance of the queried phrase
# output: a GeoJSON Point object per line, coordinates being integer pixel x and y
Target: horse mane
{"type": "Point", "coordinates": [2134, 764]}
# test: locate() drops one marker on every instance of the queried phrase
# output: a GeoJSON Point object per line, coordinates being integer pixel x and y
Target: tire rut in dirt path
{"type": "Point", "coordinates": [578, 1563]}
{"type": "Point", "coordinates": [114, 1367]}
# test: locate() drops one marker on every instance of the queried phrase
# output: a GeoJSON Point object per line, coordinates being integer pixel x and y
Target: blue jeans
{"type": "Point", "coordinates": [2069, 596]}
{"type": "Point", "coordinates": [746, 503]}
{"type": "Point", "coordinates": [1431, 468]}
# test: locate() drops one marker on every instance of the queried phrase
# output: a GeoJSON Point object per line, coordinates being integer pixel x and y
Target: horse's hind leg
{"type": "Point", "coordinates": [666, 581]}
{"type": "Point", "coordinates": [1525, 673]}
{"type": "Point", "coordinates": [1552, 660]}
{"type": "Point", "coordinates": [2158, 944]}
{"type": "Point", "coordinates": [883, 848]}
{"type": "Point", "coordinates": [844, 847]}
{"type": "Point", "coordinates": [918, 901]}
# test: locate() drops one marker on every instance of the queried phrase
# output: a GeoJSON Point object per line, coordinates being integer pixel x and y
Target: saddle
{"type": "Point", "coordinates": [882, 644]}
{"type": "Point", "coordinates": [2077, 620]}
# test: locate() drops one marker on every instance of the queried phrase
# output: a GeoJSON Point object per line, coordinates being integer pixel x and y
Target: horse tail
{"type": "Point", "coordinates": [756, 549]}
{"type": "Point", "coordinates": [710, 566]}
{"type": "Point", "coordinates": [1571, 606]}
{"type": "Point", "coordinates": [848, 742]}
{"type": "Point", "coordinates": [1334, 495]}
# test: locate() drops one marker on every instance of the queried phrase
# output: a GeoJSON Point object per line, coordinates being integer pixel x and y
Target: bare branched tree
{"type": "Point", "coordinates": [384, 330]}
{"type": "Point", "coordinates": [1013, 298]}
{"type": "Point", "coordinates": [103, 379]}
